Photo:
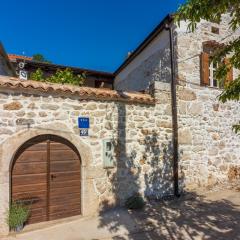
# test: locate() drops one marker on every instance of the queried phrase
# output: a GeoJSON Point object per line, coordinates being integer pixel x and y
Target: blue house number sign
{"type": "Point", "coordinates": [83, 124]}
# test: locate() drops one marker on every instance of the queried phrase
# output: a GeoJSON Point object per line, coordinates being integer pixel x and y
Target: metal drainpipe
{"type": "Point", "coordinates": [174, 113]}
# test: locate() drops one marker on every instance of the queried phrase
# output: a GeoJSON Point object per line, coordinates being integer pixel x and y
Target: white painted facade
{"type": "Point", "coordinates": [137, 75]}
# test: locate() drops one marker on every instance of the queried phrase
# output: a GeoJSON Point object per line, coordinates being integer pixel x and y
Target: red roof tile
{"type": "Point", "coordinates": [82, 92]}
{"type": "Point", "coordinates": [13, 57]}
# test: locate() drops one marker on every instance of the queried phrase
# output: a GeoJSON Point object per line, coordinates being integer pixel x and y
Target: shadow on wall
{"type": "Point", "coordinates": [159, 179]}
{"type": "Point", "coordinates": [151, 175]}
{"type": "Point", "coordinates": [147, 172]}
{"type": "Point", "coordinates": [125, 179]}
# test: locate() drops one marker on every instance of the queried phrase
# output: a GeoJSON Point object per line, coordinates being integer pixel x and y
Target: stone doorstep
{"type": "Point", "coordinates": [49, 224]}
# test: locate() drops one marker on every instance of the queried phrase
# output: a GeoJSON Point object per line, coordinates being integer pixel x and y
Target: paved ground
{"type": "Point", "coordinates": [203, 215]}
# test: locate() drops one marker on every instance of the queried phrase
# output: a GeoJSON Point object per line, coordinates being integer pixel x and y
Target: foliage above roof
{"type": "Point", "coordinates": [64, 76]}
{"type": "Point", "coordinates": [40, 58]}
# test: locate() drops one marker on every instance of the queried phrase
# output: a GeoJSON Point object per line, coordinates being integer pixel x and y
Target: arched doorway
{"type": "Point", "coordinates": [45, 175]}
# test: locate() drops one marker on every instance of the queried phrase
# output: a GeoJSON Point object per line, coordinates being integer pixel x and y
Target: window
{"type": "Point", "coordinates": [215, 30]}
{"type": "Point", "coordinates": [208, 68]}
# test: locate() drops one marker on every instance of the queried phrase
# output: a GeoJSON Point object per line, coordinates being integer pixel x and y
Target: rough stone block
{"type": "Point", "coordinates": [24, 121]}
{"type": "Point", "coordinates": [12, 106]}
{"type": "Point", "coordinates": [187, 95]}
{"type": "Point", "coordinates": [49, 106]}
{"type": "Point", "coordinates": [184, 136]}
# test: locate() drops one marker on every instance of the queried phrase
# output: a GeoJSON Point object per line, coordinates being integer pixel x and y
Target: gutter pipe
{"type": "Point", "coordinates": [168, 27]}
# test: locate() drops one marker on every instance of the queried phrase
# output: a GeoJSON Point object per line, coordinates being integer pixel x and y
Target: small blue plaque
{"type": "Point", "coordinates": [83, 122]}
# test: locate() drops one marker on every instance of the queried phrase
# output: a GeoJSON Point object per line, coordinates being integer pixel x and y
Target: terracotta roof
{"type": "Point", "coordinates": [82, 92]}
{"type": "Point", "coordinates": [13, 57]}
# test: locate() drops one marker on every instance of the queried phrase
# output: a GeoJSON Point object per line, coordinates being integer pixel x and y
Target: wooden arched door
{"type": "Point", "coordinates": [46, 176]}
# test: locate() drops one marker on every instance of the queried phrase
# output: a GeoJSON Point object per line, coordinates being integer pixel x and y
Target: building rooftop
{"type": "Point", "coordinates": [14, 57]}
{"type": "Point", "coordinates": [82, 92]}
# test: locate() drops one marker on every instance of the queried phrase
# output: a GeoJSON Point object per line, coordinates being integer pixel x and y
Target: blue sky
{"type": "Point", "coordinates": [92, 34]}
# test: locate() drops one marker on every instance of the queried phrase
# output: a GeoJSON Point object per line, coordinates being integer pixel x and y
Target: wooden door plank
{"type": "Point", "coordinates": [71, 213]}
{"type": "Point", "coordinates": [63, 155]}
{"type": "Point", "coordinates": [48, 178]}
{"type": "Point", "coordinates": [65, 185]}
{"type": "Point", "coordinates": [60, 184]}
{"type": "Point", "coordinates": [66, 176]}
{"type": "Point", "coordinates": [29, 168]}
{"type": "Point", "coordinates": [19, 180]}
{"type": "Point", "coordinates": [69, 200]}
{"type": "Point", "coordinates": [29, 179]}
{"type": "Point", "coordinates": [62, 208]}
{"type": "Point", "coordinates": [29, 187]}
{"type": "Point", "coordinates": [65, 190]}
{"type": "Point", "coordinates": [32, 156]}
{"type": "Point", "coordinates": [64, 166]}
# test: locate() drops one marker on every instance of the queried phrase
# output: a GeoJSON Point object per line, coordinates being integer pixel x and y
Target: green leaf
{"type": "Point", "coordinates": [65, 76]}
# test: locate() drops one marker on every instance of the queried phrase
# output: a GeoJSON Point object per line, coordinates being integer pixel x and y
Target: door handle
{"type": "Point", "coordinates": [53, 176]}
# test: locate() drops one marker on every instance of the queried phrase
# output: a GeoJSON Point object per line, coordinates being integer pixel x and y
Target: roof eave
{"type": "Point", "coordinates": [31, 86]}
{"type": "Point", "coordinates": [57, 66]}
{"type": "Point", "coordinates": [168, 19]}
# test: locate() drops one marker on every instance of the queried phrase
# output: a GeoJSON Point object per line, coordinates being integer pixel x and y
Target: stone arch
{"type": "Point", "coordinates": [9, 148]}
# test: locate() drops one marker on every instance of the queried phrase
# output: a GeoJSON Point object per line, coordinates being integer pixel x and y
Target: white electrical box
{"type": "Point", "coordinates": [108, 153]}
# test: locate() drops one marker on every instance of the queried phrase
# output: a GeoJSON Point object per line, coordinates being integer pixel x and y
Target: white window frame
{"type": "Point", "coordinates": [212, 69]}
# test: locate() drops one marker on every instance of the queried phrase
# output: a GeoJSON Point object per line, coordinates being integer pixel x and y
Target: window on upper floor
{"type": "Point", "coordinates": [208, 68]}
{"type": "Point", "coordinates": [215, 30]}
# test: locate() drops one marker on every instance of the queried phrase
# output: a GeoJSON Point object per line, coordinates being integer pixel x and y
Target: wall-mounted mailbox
{"type": "Point", "coordinates": [108, 153]}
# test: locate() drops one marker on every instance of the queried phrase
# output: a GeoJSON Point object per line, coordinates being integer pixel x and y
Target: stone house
{"type": "Point", "coordinates": [97, 79]}
{"type": "Point", "coordinates": [208, 148]}
{"type": "Point", "coordinates": [135, 138]}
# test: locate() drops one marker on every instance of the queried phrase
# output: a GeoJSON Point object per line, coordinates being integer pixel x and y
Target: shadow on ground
{"type": "Point", "coordinates": [190, 217]}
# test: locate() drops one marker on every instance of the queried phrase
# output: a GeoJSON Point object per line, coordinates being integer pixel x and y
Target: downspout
{"type": "Point", "coordinates": [168, 27]}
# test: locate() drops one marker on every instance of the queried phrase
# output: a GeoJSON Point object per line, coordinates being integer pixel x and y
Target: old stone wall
{"type": "Point", "coordinates": [141, 134]}
{"type": "Point", "coordinates": [208, 146]}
